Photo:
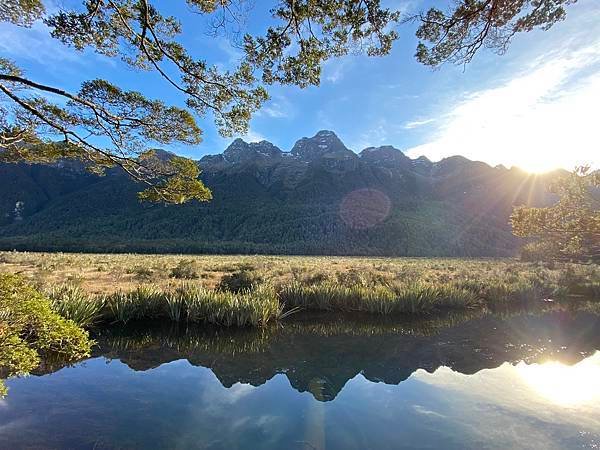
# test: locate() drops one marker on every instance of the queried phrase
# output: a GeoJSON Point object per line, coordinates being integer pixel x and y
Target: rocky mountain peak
{"type": "Point", "coordinates": [323, 144]}
{"type": "Point", "coordinates": [240, 151]}
{"type": "Point", "coordinates": [385, 154]}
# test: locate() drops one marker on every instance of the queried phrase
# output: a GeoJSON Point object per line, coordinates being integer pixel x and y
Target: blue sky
{"type": "Point", "coordinates": [537, 106]}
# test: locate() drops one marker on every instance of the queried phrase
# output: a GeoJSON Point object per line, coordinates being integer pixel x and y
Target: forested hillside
{"type": "Point", "coordinates": [319, 198]}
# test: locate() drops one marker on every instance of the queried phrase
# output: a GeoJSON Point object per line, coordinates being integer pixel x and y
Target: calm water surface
{"type": "Point", "coordinates": [526, 381]}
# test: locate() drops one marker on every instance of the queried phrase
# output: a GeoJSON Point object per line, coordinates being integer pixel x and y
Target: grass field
{"type": "Point", "coordinates": [253, 290]}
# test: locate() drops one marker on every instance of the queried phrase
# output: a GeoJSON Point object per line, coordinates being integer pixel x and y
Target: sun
{"type": "Point", "coordinates": [536, 163]}
{"type": "Point", "coordinates": [564, 385]}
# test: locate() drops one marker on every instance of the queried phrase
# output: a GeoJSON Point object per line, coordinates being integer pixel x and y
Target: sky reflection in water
{"type": "Point", "coordinates": [457, 387]}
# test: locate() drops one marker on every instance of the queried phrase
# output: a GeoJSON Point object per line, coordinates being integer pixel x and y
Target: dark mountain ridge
{"type": "Point", "coordinates": [319, 198]}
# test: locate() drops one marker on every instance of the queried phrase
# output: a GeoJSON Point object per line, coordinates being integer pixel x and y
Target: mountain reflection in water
{"type": "Point", "coordinates": [320, 356]}
{"type": "Point", "coordinates": [528, 381]}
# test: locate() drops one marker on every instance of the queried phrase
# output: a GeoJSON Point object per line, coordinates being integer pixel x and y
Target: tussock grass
{"type": "Point", "coordinates": [145, 302]}
{"type": "Point", "coordinates": [254, 290]}
{"type": "Point", "coordinates": [400, 299]}
{"type": "Point", "coordinates": [187, 303]}
{"type": "Point", "coordinates": [255, 306]}
{"type": "Point", "coordinates": [71, 302]}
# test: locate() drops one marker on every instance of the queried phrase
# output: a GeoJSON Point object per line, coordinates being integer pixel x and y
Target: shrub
{"type": "Point", "coordinates": [30, 329]}
{"type": "Point", "coordinates": [539, 251]}
{"type": "Point", "coordinates": [185, 269]}
{"type": "Point", "coordinates": [4, 258]}
{"type": "Point", "coordinates": [351, 277]}
{"type": "Point", "coordinates": [239, 281]}
{"type": "Point", "coordinates": [494, 292]}
{"type": "Point", "coordinates": [316, 278]}
{"type": "Point", "coordinates": [142, 273]}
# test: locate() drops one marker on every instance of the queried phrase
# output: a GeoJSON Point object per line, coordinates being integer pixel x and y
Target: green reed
{"type": "Point", "coordinates": [187, 303]}
{"type": "Point", "coordinates": [382, 299]}
{"type": "Point", "coordinates": [73, 303]}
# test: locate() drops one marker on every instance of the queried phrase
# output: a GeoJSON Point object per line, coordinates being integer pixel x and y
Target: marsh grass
{"type": "Point", "coordinates": [383, 299]}
{"type": "Point", "coordinates": [186, 303]}
{"type": "Point", "coordinates": [253, 290]}
{"type": "Point", "coordinates": [71, 302]}
{"type": "Point", "coordinates": [255, 306]}
{"type": "Point", "coordinates": [258, 305]}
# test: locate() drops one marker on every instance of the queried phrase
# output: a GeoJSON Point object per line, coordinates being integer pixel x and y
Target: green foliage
{"type": "Point", "coordinates": [569, 229]}
{"type": "Point", "coordinates": [240, 281]}
{"type": "Point", "coordinates": [539, 251]}
{"type": "Point", "coordinates": [494, 293]}
{"type": "Point", "coordinates": [457, 35]}
{"type": "Point", "coordinates": [30, 330]}
{"type": "Point", "coordinates": [180, 185]}
{"type": "Point", "coordinates": [254, 307]}
{"type": "Point", "coordinates": [319, 31]}
{"type": "Point", "coordinates": [145, 302]}
{"type": "Point", "coordinates": [296, 226]}
{"type": "Point", "coordinates": [21, 12]}
{"type": "Point", "coordinates": [141, 273]}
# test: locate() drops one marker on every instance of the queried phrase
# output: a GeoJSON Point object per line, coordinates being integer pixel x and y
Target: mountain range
{"type": "Point", "coordinates": [318, 198]}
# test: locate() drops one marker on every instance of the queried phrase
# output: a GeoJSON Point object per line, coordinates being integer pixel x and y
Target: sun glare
{"type": "Point", "coordinates": [565, 385]}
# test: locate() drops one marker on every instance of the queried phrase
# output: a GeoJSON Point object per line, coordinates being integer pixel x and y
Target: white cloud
{"type": "Point", "coordinates": [34, 44]}
{"type": "Point", "coordinates": [407, 7]}
{"type": "Point", "coordinates": [253, 136]}
{"type": "Point", "coordinates": [543, 118]}
{"type": "Point", "coordinates": [377, 134]}
{"type": "Point", "coordinates": [233, 54]}
{"type": "Point", "coordinates": [277, 108]}
{"type": "Point", "coordinates": [427, 412]}
{"type": "Point", "coordinates": [238, 391]}
{"type": "Point", "coordinates": [274, 111]}
{"type": "Point", "coordinates": [335, 69]}
{"type": "Point", "coordinates": [417, 123]}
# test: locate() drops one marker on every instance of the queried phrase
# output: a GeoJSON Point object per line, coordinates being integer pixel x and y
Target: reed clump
{"type": "Point", "coordinates": [383, 299]}
{"type": "Point", "coordinates": [254, 306]}
{"type": "Point", "coordinates": [186, 303]}
{"type": "Point", "coordinates": [72, 302]}
{"type": "Point", "coordinates": [144, 302]}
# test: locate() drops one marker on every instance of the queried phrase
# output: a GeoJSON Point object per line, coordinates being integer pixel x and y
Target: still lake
{"type": "Point", "coordinates": [521, 380]}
